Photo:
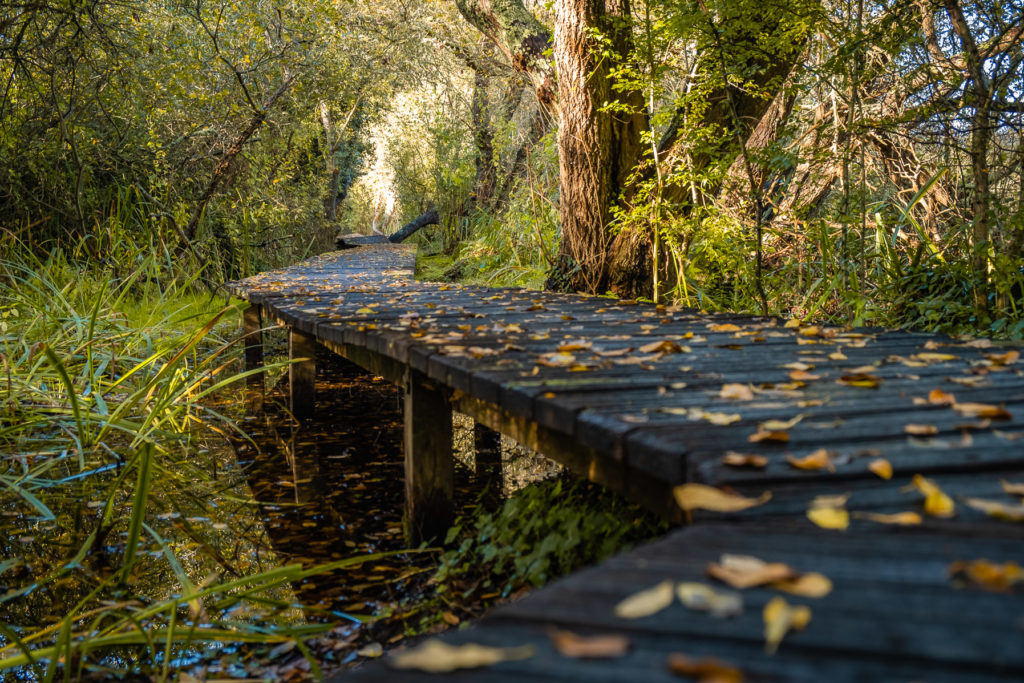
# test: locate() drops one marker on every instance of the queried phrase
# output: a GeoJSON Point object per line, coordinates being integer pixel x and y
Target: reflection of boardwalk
{"type": "Point", "coordinates": [644, 399]}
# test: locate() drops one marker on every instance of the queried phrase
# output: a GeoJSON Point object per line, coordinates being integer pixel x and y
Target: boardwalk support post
{"type": "Point", "coordinates": [252, 330]}
{"type": "Point", "coordinates": [429, 474]}
{"type": "Point", "coordinates": [487, 456]}
{"type": "Point", "coordinates": [302, 373]}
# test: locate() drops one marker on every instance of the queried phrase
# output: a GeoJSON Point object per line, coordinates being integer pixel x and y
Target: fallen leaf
{"type": "Point", "coordinates": [797, 365]}
{"type": "Point", "coordinates": [860, 379]}
{"type": "Point", "coordinates": [802, 376]}
{"type": "Point", "coordinates": [663, 346]}
{"type": "Point", "coordinates": [571, 346]}
{"type": "Point", "coordinates": [810, 585]}
{"type": "Point", "coordinates": [746, 571]}
{"type": "Point", "coordinates": [702, 497]}
{"type": "Point", "coordinates": [835, 500]}
{"type": "Point", "coordinates": [737, 392]}
{"type": "Point", "coordinates": [646, 602]}
{"type": "Point", "coordinates": [920, 430]}
{"type": "Point", "coordinates": [705, 669]}
{"type": "Point", "coordinates": [983, 410]}
{"type": "Point", "coordinates": [482, 352]}
{"type": "Point", "coordinates": [980, 343]}
{"type": "Point", "coordinates": [557, 360]}
{"type": "Point", "coordinates": [371, 650]}
{"type": "Point", "coordinates": [605, 646]}
{"type": "Point", "coordinates": [988, 575]}
{"type": "Point", "coordinates": [725, 327]}
{"type": "Point", "coordinates": [940, 397]}
{"type": "Point", "coordinates": [1014, 488]}
{"type": "Point", "coordinates": [837, 355]}
{"type": "Point", "coordinates": [881, 468]}
{"type": "Point", "coordinates": [437, 656]}
{"type": "Point", "coordinates": [1004, 511]}
{"type": "Point", "coordinates": [830, 518]}
{"type": "Point", "coordinates": [899, 518]}
{"type": "Point", "coordinates": [818, 460]}
{"type": "Point", "coordinates": [704, 598]}
{"type": "Point", "coordinates": [1007, 358]}
{"type": "Point", "coordinates": [780, 618]}
{"type": "Point", "coordinates": [936, 503]}
{"type": "Point", "coordinates": [721, 419]}
{"type": "Point", "coordinates": [792, 323]}
{"type": "Point", "coordinates": [760, 435]}
{"type": "Point", "coordinates": [734, 459]}
{"type": "Point", "coordinates": [934, 357]}
{"type": "Point", "coordinates": [974, 381]}
{"type": "Point", "coordinates": [776, 425]}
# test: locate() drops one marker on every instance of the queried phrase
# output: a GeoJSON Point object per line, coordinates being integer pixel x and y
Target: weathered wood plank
{"type": "Point", "coordinates": [429, 474]}
{"type": "Point", "coordinates": [302, 373]}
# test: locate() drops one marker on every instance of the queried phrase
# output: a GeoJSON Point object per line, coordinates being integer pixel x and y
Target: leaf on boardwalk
{"type": "Point", "coordinates": [830, 518]}
{"type": "Point", "coordinates": [613, 353]}
{"type": "Point", "coordinates": [483, 352]}
{"type": "Point", "coordinates": [940, 397]}
{"type": "Point", "coordinates": [899, 518]}
{"type": "Point", "coordinates": [799, 366]}
{"type": "Point", "coordinates": [436, 656]}
{"type": "Point", "coordinates": [1004, 511]}
{"type": "Point", "coordinates": [746, 571]}
{"type": "Point", "coordinates": [721, 419]}
{"type": "Point", "coordinates": [780, 618]}
{"type": "Point", "coordinates": [920, 430]}
{"type": "Point", "coordinates": [663, 346]}
{"type": "Point", "coordinates": [971, 381]}
{"type": "Point", "coordinates": [703, 670]}
{"type": "Point", "coordinates": [983, 410]}
{"type": "Point", "coordinates": [737, 392]}
{"type": "Point", "coordinates": [647, 602]}
{"type": "Point", "coordinates": [802, 376]}
{"type": "Point", "coordinates": [930, 357]}
{"type": "Point", "coordinates": [988, 575]}
{"type": "Point", "coordinates": [723, 327]}
{"type": "Point", "coordinates": [781, 425]}
{"type": "Point", "coordinates": [835, 500]}
{"type": "Point", "coordinates": [810, 585]}
{"type": "Point", "coordinates": [557, 360]}
{"type": "Point", "coordinates": [936, 502]}
{"type": "Point", "coordinates": [881, 468]}
{"type": "Point", "coordinates": [1007, 358]}
{"type": "Point", "coordinates": [820, 459]}
{"type": "Point", "coordinates": [734, 459]}
{"type": "Point", "coordinates": [703, 598]}
{"type": "Point", "coordinates": [569, 347]}
{"type": "Point", "coordinates": [860, 379]}
{"type": "Point", "coordinates": [775, 436]}
{"type": "Point", "coordinates": [1014, 488]}
{"type": "Point", "coordinates": [701, 497]}
{"type": "Point", "coordinates": [604, 646]}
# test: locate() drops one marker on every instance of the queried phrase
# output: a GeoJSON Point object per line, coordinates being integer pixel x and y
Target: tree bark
{"type": "Point", "coordinates": [483, 139]}
{"type": "Point", "coordinates": [430, 217]}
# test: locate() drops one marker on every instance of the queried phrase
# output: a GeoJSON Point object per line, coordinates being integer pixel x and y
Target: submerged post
{"type": "Point", "coordinates": [487, 457]}
{"type": "Point", "coordinates": [429, 476]}
{"type": "Point", "coordinates": [302, 373]}
{"type": "Point", "coordinates": [252, 331]}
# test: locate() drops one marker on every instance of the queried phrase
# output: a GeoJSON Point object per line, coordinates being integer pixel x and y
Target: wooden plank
{"type": "Point", "coordinates": [302, 373]}
{"type": "Point", "coordinates": [252, 331]}
{"type": "Point", "coordinates": [429, 474]}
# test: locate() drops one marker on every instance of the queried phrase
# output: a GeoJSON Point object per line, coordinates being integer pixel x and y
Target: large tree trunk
{"type": "Point", "coordinates": [483, 139]}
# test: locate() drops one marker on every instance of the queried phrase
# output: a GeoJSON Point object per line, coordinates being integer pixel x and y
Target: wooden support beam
{"type": "Point", "coordinates": [487, 459]}
{"type": "Point", "coordinates": [429, 476]}
{"type": "Point", "coordinates": [252, 331]}
{"type": "Point", "coordinates": [302, 373]}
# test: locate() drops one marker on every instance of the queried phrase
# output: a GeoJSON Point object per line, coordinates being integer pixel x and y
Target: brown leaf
{"type": "Point", "coordinates": [780, 618]}
{"type": "Point", "coordinates": [737, 392]}
{"type": "Point", "coordinates": [860, 379]}
{"type": "Point", "coordinates": [571, 346]}
{"type": "Point", "coordinates": [704, 670]}
{"type": "Point", "coordinates": [704, 598]}
{"type": "Point", "coordinates": [920, 430]}
{"type": "Point", "coordinates": [777, 436]}
{"type": "Point", "coordinates": [810, 585]}
{"type": "Point", "coordinates": [646, 602]}
{"type": "Point", "coordinates": [830, 518]}
{"type": "Point", "coordinates": [988, 575]}
{"type": "Point", "coordinates": [436, 656]}
{"type": "Point", "coordinates": [983, 410]}
{"type": "Point", "coordinates": [936, 503]}
{"type": "Point", "coordinates": [1007, 358]}
{"type": "Point", "coordinates": [940, 397]}
{"type": "Point", "coordinates": [1004, 511]}
{"type": "Point", "coordinates": [700, 497]}
{"type": "Point", "coordinates": [881, 468]}
{"type": "Point", "coordinates": [605, 646]}
{"type": "Point", "coordinates": [818, 460]}
{"type": "Point", "coordinates": [734, 459]}
{"type": "Point", "coordinates": [724, 327]}
{"type": "Point", "coordinates": [934, 357]}
{"type": "Point", "coordinates": [899, 518]}
{"type": "Point", "coordinates": [557, 360]}
{"type": "Point", "coordinates": [662, 346]}
{"type": "Point", "coordinates": [746, 571]}
{"type": "Point", "coordinates": [802, 376]}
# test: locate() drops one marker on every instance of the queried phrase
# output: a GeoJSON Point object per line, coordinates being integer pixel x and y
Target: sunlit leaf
{"type": "Point", "coordinates": [830, 518]}
{"type": "Point", "coordinates": [701, 497]}
{"type": "Point", "coordinates": [721, 419]}
{"type": "Point", "coordinates": [818, 460]}
{"type": "Point", "coordinates": [436, 656]}
{"type": "Point", "coordinates": [604, 646]}
{"type": "Point", "coordinates": [781, 425]}
{"type": "Point", "coordinates": [746, 571]}
{"type": "Point", "coordinates": [1007, 358]}
{"type": "Point", "coordinates": [860, 379]}
{"type": "Point", "coordinates": [704, 670]}
{"type": "Point", "coordinates": [662, 346]}
{"type": "Point", "coordinates": [734, 459]}
{"type": "Point", "coordinates": [810, 585]}
{"type": "Point", "coordinates": [920, 430]}
{"type": "Point", "coordinates": [704, 598]}
{"type": "Point", "coordinates": [1005, 511]}
{"type": "Point", "coordinates": [737, 392]}
{"type": "Point", "coordinates": [898, 518]}
{"type": "Point", "coordinates": [780, 618]}
{"type": "Point", "coordinates": [724, 327]}
{"type": "Point", "coordinates": [988, 575]}
{"type": "Point", "coordinates": [881, 468]}
{"type": "Point", "coordinates": [1014, 488]}
{"type": "Point", "coordinates": [777, 436]}
{"type": "Point", "coordinates": [936, 503]}
{"type": "Point", "coordinates": [940, 397]}
{"type": "Point", "coordinates": [647, 602]}
{"type": "Point", "coordinates": [983, 410]}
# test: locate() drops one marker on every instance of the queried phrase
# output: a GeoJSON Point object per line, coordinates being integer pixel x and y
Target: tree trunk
{"type": "Point", "coordinates": [430, 217]}
{"type": "Point", "coordinates": [483, 139]}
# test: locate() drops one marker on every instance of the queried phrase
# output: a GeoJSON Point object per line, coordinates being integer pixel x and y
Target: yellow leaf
{"type": "Point", "coordinates": [568, 347]}
{"type": "Point", "coordinates": [1004, 511]}
{"type": "Point", "coordinates": [835, 500]}
{"type": "Point", "coordinates": [1012, 487]}
{"type": "Point", "coordinates": [860, 379]}
{"type": "Point", "coordinates": [436, 656]}
{"type": "Point", "coordinates": [810, 585]}
{"type": "Point", "coordinates": [818, 460]}
{"type": "Point", "coordinates": [983, 410]}
{"type": "Point", "coordinates": [940, 397]}
{"type": "Point", "coordinates": [837, 355]}
{"type": "Point", "coordinates": [646, 602]}
{"type": "Point", "coordinates": [988, 575]}
{"type": "Point", "coordinates": [760, 435]}
{"type": "Point", "coordinates": [746, 571]}
{"type": "Point", "coordinates": [704, 670]}
{"type": "Point", "coordinates": [920, 430]}
{"type": "Point", "coordinates": [776, 425]}
{"type": "Point", "coordinates": [704, 598]}
{"type": "Point", "coordinates": [881, 467]}
{"type": "Point", "coordinates": [701, 497]}
{"type": "Point", "coordinates": [791, 323]}
{"type": "Point", "coordinates": [365, 311]}
{"type": "Point", "coordinates": [1004, 358]}
{"type": "Point", "coordinates": [830, 518]}
{"type": "Point", "coordinates": [780, 618]}
{"type": "Point", "coordinates": [936, 503]}
{"type": "Point", "coordinates": [726, 327]}
{"type": "Point", "coordinates": [734, 459]}
{"type": "Point", "coordinates": [557, 360]}
{"type": "Point", "coordinates": [605, 646]}
{"type": "Point", "coordinates": [721, 419]}
{"type": "Point", "coordinates": [663, 346]}
{"type": "Point", "coordinates": [737, 392]}
{"type": "Point", "coordinates": [935, 357]}
{"type": "Point", "coordinates": [900, 518]}
{"type": "Point", "coordinates": [802, 376]}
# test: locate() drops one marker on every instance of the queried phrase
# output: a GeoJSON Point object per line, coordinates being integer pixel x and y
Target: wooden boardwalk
{"type": "Point", "coordinates": [644, 399]}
